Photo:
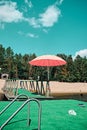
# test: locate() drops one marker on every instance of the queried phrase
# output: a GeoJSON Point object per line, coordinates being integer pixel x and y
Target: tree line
{"type": "Point", "coordinates": [18, 67]}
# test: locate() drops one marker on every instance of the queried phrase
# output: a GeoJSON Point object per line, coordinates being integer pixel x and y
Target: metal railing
{"type": "Point", "coordinates": [28, 120]}
{"type": "Point", "coordinates": [12, 102]}
{"type": "Point", "coordinates": [11, 87]}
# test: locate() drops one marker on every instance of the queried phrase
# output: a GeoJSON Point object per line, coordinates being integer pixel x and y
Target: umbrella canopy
{"type": "Point", "coordinates": [47, 60]}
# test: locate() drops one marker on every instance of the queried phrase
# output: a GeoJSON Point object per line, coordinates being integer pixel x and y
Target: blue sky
{"type": "Point", "coordinates": [44, 26]}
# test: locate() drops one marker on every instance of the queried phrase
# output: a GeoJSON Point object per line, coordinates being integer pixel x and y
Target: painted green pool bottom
{"type": "Point", "coordinates": [30, 94]}
{"type": "Point", "coordinates": [55, 115]}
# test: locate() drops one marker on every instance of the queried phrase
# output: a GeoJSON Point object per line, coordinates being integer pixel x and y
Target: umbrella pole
{"type": "Point", "coordinates": [48, 73]}
{"type": "Point", "coordinates": [47, 86]}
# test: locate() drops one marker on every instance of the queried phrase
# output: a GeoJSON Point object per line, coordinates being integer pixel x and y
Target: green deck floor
{"type": "Point", "coordinates": [30, 94]}
{"type": "Point", "coordinates": [55, 115]}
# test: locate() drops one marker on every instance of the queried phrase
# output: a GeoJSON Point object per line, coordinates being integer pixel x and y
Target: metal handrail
{"type": "Point", "coordinates": [12, 102]}
{"type": "Point", "coordinates": [39, 113]}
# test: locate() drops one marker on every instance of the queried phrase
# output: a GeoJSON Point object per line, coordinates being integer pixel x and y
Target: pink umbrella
{"type": "Point", "coordinates": [48, 60]}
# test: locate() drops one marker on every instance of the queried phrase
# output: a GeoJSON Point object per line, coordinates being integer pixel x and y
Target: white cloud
{"type": "Point", "coordinates": [50, 16]}
{"type": "Point", "coordinates": [33, 22]}
{"type": "Point", "coordinates": [58, 2]}
{"type": "Point", "coordinates": [81, 53]}
{"type": "Point", "coordinates": [9, 12]}
{"type": "Point", "coordinates": [28, 34]}
{"type": "Point", "coordinates": [32, 35]}
{"type": "Point", "coordinates": [24, 8]}
{"type": "Point", "coordinates": [46, 19]}
{"type": "Point", "coordinates": [61, 1]}
{"type": "Point", "coordinates": [45, 30]}
{"type": "Point", "coordinates": [29, 3]}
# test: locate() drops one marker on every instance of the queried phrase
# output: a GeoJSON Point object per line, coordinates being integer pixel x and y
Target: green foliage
{"type": "Point", "coordinates": [18, 67]}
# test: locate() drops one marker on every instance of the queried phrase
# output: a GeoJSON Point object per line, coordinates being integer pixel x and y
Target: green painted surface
{"type": "Point", "coordinates": [55, 115]}
{"type": "Point", "coordinates": [30, 94]}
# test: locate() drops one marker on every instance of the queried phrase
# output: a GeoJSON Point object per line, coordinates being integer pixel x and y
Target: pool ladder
{"type": "Point", "coordinates": [27, 101]}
